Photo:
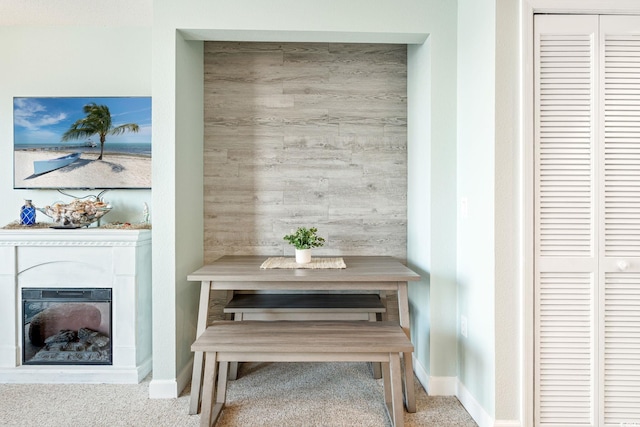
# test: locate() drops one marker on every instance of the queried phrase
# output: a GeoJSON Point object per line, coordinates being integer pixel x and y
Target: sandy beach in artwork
{"type": "Point", "coordinates": [115, 170]}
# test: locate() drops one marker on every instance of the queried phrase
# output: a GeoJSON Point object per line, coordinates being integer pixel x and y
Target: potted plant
{"type": "Point", "coordinates": [304, 239]}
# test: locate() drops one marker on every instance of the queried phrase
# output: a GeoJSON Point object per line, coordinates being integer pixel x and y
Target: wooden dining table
{"type": "Point", "coordinates": [362, 273]}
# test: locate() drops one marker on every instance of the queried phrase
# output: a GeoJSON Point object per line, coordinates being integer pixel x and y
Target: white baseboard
{"type": "Point", "coordinates": [477, 412]}
{"type": "Point", "coordinates": [435, 386]}
{"type": "Point", "coordinates": [451, 386]}
{"type": "Point", "coordinates": [421, 373]}
{"type": "Point", "coordinates": [170, 389]}
{"type": "Point", "coordinates": [163, 389]}
{"type": "Point", "coordinates": [184, 377]}
{"type": "Point", "coordinates": [145, 368]}
{"type": "Point", "coordinates": [443, 386]}
{"type": "Point", "coordinates": [506, 423]}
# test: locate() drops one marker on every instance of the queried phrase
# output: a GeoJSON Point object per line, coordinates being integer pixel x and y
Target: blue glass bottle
{"type": "Point", "coordinates": [27, 213]}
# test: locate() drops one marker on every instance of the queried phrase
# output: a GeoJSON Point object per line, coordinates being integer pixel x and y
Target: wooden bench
{"type": "Point", "coordinates": [300, 341]}
{"type": "Point", "coordinates": [305, 306]}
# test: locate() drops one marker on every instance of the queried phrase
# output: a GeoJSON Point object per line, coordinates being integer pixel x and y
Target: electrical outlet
{"type": "Point", "coordinates": [464, 208]}
{"type": "Point", "coordinates": [463, 326]}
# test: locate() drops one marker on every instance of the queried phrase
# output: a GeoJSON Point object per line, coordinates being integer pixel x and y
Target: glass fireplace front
{"type": "Point", "coordinates": [66, 326]}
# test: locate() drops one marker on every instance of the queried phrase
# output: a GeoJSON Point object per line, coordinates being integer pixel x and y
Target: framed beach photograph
{"type": "Point", "coordinates": [82, 143]}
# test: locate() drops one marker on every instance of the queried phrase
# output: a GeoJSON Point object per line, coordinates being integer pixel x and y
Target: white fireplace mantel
{"type": "Point", "coordinates": [79, 258]}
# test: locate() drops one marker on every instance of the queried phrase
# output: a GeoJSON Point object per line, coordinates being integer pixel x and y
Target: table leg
{"type": "Point", "coordinates": [396, 390]}
{"type": "Point", "coordinates": [198, 356]}
{"type": "Point", "coordinates": [403, 312]}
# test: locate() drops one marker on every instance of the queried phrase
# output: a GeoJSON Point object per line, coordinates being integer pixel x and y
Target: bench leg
{"type": "Point", "coordinates": [383, 298]}
{"type": "Point", "coordinates": [207, 414]}
{"type": "Point", "coordinates": [396, 390]}
{"type": "Point", "coordinates": [403, 313]}
{"type": "Point", "coordinates": [386, 382]}
{"type": "Point", "coordinates": [409, 388]}
{"type": "Point", "coordinates": [198, 357]}
{"type": "Point", "coordinates": [233, 371]}
{"type": "Point", "coordinates": [220, 394]}
{"type": "Point", "coordinates": [377, 372]}
{"type": "Point", "coordinates": [223, 374]}
{"type": "Point", "coordinates": [196, 382]}
{"type": "Point", "coordinates": [233, 367]}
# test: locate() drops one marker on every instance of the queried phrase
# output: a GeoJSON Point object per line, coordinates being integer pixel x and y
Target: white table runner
{"type": "Point", "coordinates": [284, 262]}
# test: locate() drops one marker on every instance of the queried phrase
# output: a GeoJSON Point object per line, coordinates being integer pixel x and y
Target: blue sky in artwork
{"type": "Point", "coordinates": [45, 120]}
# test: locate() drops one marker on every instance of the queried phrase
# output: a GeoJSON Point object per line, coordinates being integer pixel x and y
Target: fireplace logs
{"type": "Point", "coordinates": [84, 345]}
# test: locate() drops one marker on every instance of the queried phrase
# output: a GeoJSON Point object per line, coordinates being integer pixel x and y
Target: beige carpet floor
{"type": "Point", "coordinates": [265, 394]}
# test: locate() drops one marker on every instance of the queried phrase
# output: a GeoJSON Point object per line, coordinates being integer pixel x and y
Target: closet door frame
{"type": "Point", "coordinates": [528, 9]}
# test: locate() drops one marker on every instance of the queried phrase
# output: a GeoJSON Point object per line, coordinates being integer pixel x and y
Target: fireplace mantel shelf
{"type": "Point", "coordinates": [78, 258]}
{"type": "Point", "coordinates": [74, 237]}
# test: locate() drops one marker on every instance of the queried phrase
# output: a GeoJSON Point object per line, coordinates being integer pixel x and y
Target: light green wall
{"type": "Point", "coordinates": [476, 162]}
{"type": "Point", "coordinates": [461, 143]}
{"type": "Point", "coordinates": [408, 21]}
{"type": "Point", "coordinates": [443, 190]}
{"type": "Point", "coordinates": [189, 188]}
{"type": "Point", "coordinates": [419, 198]}
{"type": "Point", "coordinates": [298, 20]}
{"type": "Point", "coordinates": [508, 214]}
{"type": "Point", "coordinates": [46, 61]}
{"type": "Point", "coordinates": [431, 230]}
{"type": "Point", "coordinates": [178, 188]}
{"type": "Point", "coordinates": [489, 285]}
{"type": "Point", "coordinates": [165, 285]}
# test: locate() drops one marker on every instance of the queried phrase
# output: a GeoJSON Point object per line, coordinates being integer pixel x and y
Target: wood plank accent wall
{"type": "Point", "coordinates": [305, 134]}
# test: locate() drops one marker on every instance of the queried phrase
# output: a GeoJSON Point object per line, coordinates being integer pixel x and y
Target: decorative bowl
{"type": "Point", "coordinates": [79, 213]}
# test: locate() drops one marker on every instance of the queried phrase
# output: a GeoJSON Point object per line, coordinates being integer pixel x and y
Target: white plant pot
{"type": "Point", "coordinates": [303, 256]}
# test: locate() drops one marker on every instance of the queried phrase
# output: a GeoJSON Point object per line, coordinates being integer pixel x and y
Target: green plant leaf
{"type": "Point", "coordinates": [305, 238]}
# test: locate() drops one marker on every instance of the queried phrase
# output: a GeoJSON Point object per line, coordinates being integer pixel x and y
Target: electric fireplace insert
{"type": "Point", "coordinates": [66, 326]}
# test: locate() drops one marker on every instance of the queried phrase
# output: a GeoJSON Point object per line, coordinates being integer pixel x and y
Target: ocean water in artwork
{"type": "Point", "coordinates": [140, 149]}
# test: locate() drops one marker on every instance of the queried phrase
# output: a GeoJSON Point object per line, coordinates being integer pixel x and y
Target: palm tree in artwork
{"type": "Point", "coordinates": [97, 121]}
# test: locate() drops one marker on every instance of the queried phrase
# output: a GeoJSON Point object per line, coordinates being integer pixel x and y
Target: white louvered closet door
{"type": "Point", "coordinates": [587, 220]}
{"type": "Point", "coordinates": [565, 220]}
{"type": "Point", "coordinates": [619, 241]}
